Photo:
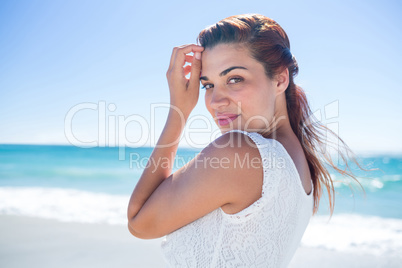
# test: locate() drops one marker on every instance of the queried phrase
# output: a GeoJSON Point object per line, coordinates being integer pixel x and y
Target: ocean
{"type": "Point", "coordinates": [93, 185]}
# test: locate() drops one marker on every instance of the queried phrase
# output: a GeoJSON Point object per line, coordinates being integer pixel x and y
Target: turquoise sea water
{"type": "Point", "coordinates": [93, 185]}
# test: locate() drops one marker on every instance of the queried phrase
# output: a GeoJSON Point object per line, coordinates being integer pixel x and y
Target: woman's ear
{"type": "Point", "coordinates": [281, 81]}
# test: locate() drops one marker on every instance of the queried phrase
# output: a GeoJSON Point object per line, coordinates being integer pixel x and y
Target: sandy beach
{"type": "Point", "coordinates": [35, 242]}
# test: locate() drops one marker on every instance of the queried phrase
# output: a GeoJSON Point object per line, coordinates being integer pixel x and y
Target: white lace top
{"type": "Point", "coordinates": [265, 234]}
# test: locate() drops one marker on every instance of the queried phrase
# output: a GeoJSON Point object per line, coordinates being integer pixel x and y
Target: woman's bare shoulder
{"type": "Point", "coordinates": [232, 142]}
{"type": "Point", "coordinates": [241, 169]}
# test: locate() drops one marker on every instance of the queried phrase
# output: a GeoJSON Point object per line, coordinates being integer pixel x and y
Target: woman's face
{"type": "Point", "coordinates": [238, 94]}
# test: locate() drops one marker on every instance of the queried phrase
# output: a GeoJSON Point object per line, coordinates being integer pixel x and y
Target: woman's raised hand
{"type": "Point", "coordinates": [184, 91]}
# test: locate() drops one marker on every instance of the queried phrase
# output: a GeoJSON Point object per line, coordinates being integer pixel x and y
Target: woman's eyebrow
{"type": "Point", "coordinates": [225, 72]}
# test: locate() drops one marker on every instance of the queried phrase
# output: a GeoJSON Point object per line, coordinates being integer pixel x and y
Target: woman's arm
{"type": "Point", "coordinates": [220, 176]}
{"type": "Point", "coordinates": [159, 165]}
{"type": "Point", "coordinates": [183, 97]}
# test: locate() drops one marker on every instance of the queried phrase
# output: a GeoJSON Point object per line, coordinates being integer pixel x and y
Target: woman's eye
{"type": "Point", "coordinates": [235, 80]}
{"type": "Point", "coordinates": [207, 86]}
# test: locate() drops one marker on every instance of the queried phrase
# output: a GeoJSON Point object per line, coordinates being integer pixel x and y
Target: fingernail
{"type": "Point", "coordinates": [198, 55]}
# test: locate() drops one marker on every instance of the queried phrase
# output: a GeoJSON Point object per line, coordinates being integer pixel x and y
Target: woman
{"type": "Point", "coordinates": [247, 198]}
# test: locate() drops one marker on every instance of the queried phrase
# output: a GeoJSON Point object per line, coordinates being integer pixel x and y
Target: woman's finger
{"type": "Point", "coordinates": [189, 58]}
{"type": "Point", "coordinates": [172, 57]}
{"type": "Point", "coordinates": [195, 70]}
{"type": "Point", "coordinates": [187, 69]}
{"type": "Point", "coordinates": [181, 52]}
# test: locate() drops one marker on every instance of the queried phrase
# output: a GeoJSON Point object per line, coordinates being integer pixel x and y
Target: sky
{"type": "Point", "coordinates": [93, 73]}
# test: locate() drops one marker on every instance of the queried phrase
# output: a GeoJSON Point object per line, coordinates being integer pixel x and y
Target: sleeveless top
{"type": "Point", "coordinates": [265, 234]}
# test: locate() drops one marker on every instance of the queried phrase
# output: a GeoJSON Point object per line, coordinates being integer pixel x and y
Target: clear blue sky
{"type": "Point", "coordinates": [55, 55]}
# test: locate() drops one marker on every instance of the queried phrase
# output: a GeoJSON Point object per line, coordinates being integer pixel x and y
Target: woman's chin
{"type": "Point", "coordinates": [228, 128]}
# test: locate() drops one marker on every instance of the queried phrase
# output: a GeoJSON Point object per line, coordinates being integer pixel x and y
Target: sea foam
{"type": "Point", "coordinates": [67, 205]}
{"type": "Point", "coordinates": [353, 232]}
{"type": "Point", "coordinates": [343, 232]}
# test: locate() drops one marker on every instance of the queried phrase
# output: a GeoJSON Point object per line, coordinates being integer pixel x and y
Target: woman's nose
{"type": "Point", "coordinates": [219, 99]}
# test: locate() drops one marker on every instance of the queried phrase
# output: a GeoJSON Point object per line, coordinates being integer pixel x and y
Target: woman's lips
{"type": "Point", "coordinates": [224, 120]}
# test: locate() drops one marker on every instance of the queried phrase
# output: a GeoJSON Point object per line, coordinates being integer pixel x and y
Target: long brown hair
{"type": "Point", "coordinates": [269, 44]}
